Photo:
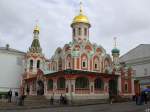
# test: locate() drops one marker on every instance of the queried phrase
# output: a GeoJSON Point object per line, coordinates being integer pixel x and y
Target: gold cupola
{"type": "Point", "coordinates": [81, 18]}
{"type": "Point", "coordinates": [37, 29]}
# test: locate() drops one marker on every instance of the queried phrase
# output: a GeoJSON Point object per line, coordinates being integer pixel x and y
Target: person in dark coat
{"type": "Point", "coordinates": [110, 96]}
{"type": "Point", "coordinates": [61, 99]}
{"type": "Point", "coordinates": [52, 100]}
{"type": "Point", "coordinates": [16, 96]}
{"type": "Point", "coordinates": [136, 98]}
{"type": "Point", "coordinates": [9, 96]}
{"type": "Point", "coordinates": [28, 90]}
{"type": "Point", "coordinates": [145, 97]}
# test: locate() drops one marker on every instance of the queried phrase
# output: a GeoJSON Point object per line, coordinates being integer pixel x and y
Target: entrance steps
{"type": "Point", "coordinates": [36, 101]}
{"type": "Point", "coordinates": [29, 102]}
{"type": "Point", "coordinates": [89, 102]}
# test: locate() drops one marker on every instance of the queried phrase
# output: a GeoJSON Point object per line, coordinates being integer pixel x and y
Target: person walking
{"type": "Point", "coordinates": [9, 96]}
{"type": "Point", "coordinates": [136, 98]}
{"type": "Point", "coordinates": [16, 97]}
{"type": "Point", "coordinates": [110, 97]}
{"type": "Point", "coordinates": [28, 90]}
{"type": "Point", "coordinates": [61, 99]}
{"type": "Point", "coordinates": [145, 97]}
{"type": "Point", "coordinates": [52, 100]}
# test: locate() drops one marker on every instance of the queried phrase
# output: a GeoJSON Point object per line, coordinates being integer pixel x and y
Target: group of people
{"type": "Point", "coordinates": [9, 95]}
{"type": "Point", "coordinates": [141, 98]}
{"type": "Point", "coordinates": [19, 100]}
{"type": "Point", "coordinates": [62, 100]}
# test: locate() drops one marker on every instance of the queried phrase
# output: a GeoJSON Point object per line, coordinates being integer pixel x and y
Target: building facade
{"type": "Point", "coordinates": [80, 70]}
{"type": "Point", "coordinates": [139, 59]}
{"type": "Point", "coordinates": [12, 68]}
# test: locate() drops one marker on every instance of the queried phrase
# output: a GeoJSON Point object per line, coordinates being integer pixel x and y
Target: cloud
{"type": "Point", "coordinates": [129, 20]}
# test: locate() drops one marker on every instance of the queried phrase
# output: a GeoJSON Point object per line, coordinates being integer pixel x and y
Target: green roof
{"type": "Point", "coordinates": [115, 50]}
{"type": "Point", "coordinates": [35, 43]}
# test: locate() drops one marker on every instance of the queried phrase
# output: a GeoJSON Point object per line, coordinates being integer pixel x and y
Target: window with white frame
{"type": "Point", "coordinates": [84, 62]}
{"type": "Point", "coordinates": [68, 61]}
{"type": "Point", "coordinates": [96, 66]}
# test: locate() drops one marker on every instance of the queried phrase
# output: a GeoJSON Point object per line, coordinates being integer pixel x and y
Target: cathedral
{"type": "Point", "coordinates": [80, 70]}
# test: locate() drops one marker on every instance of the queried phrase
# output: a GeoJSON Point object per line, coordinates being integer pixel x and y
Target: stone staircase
{"type": "Point", "coordinates": [89, 102]}
{"type": "Point", "coordinates": [119, 99]}
{"type": "Point", "coordinates": [29, 102]}
{"type": "Point", "coordinates": [36, 101]}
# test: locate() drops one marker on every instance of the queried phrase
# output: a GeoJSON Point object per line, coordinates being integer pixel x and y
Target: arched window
{"type": "Point", "coordinates": [31, 64]}
{"type": "Point", "coordinates": [107, 63]}
{"type": "Point", "coordinates": [50, 84]}
{"type": "Point", "coordinates": [60, 64]}
{"type": "Point", "coordinates": [38, 64]}
{"type": "Point", "coordinates": [96, 63]}
{"type": "Point", "coordinates": [85, 31]}
{"type": "Point", "coordinates": [74, 31]}
{"type": "Point", "coordinates": [68, 61]}
{"type": "Point", "coordinates": [79, 33]}
{"type": "Point", "coordinates": [82, 82]}
{"type": "Point", "coordinates": [61, 83]}
{"type": "Point", "coordinates": [84, 61]}
{"type": "Point", "coordinates": [98, 84]}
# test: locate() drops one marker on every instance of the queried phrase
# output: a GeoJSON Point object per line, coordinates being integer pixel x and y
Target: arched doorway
{"type": "Point", "coordinates": [113, 86]}
{"type": "Point", "coordinates": [40, 87]}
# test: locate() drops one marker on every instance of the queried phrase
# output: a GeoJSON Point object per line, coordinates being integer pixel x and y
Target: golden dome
{"type": "Point", "coordinates": [81, 18]}
{"type": "Point", "coordinates": [37, 28]}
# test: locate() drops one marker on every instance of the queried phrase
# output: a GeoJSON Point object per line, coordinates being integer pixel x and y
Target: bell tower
{"type": "Point", "coordinates": [34, 57]}
{"type": "Point", "coordinates": [80, 26]}
{"type": "Point", "coordinates": [115, 53]}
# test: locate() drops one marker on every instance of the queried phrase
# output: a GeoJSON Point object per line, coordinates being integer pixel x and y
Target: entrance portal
{"type": "Point", "coordinates": [113, 87]}
{"type": "Point", "coordinates": [40, 87]}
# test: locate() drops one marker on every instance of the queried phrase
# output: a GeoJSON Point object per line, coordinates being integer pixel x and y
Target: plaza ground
{"type": "Point", "coordinates": [116, 107]}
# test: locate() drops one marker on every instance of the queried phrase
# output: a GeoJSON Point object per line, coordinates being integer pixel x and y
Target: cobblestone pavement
{"type": "Point", "coordinates": [116, 107]}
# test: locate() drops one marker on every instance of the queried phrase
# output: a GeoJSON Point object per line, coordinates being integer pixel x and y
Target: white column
{"type": "Point", "coordinates": [45, 87]}
{"type": "Point", "coordinates": [71, 82]}
{"type": "Point", "coordinates": [106, 87]}
{"type": "Point", "coordinates": [91, 84]}
{"type": "Point", "coordinates": [119, 84]}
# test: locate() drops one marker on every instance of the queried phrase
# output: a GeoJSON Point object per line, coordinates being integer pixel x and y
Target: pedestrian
{"type": "Point", "coordinates": [16, 97]}
{"type": "Point", "coordinates": [136, 98]}
{"type": "Point", "coordinates": [9, 96]}
{"type": "Point", "coordinates": [65, 99]}
{"type": "Point", "coordinates": [110, 97]}
{"type": "Point", "coordinates": [145, 97]}
{"type": "Point", "coordinates": [142, 97]}
{"type": "Point", "coordinates": [61, 99]}
{"type": "Point", "coordinates": [52, 100]}
{"type": "Point", "coordinates": [28, 90]}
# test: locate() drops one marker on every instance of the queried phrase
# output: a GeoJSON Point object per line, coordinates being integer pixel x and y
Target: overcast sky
{"type": "Point", "coordinates": [128, 20]}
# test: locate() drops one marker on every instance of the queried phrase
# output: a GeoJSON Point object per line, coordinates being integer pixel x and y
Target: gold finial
{"type": "Point", "coordinates": [81, 11]}
{"type": "Point", "coordinates": [37, 27]}
{"type": "Point", "coordinates": [115, 42]}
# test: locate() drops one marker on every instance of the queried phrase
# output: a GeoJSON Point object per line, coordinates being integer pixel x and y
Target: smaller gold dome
{"type": "Point", "coordinates": [37, 28]}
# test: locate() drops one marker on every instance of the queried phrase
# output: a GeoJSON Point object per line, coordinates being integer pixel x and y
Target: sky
{"type": "Point", "coordinates": [128, 20]}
